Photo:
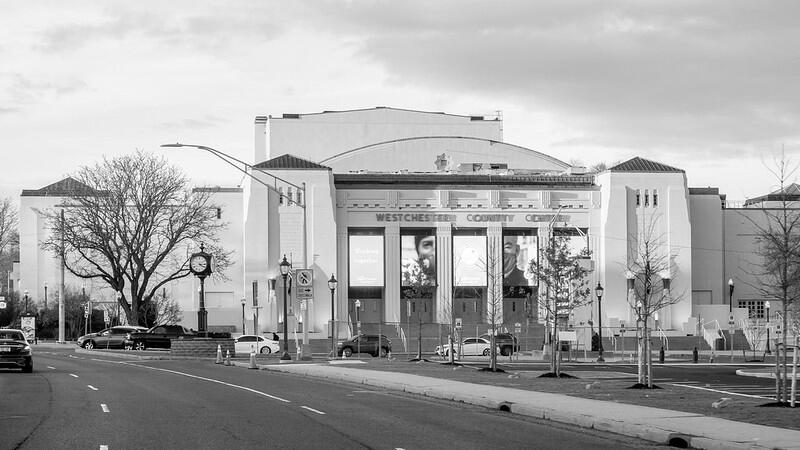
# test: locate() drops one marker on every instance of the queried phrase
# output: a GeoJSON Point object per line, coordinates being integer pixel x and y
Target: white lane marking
{"type": "Point", "coordinates": [721, 392]}
{"type": "Point", "coordinates": [73, 375]}
{"type": "Point", "coordinates": [244, 388]}
{"type": "Point", "coordinates": [91, 387]}
{"type": "Point", "coordinates": [105, 407]}
{"type": "Point", "coordinates": [313, 410]}
{"type": "Point", "coordinates": [50, 367]}
{"type": "Point", "coordinates": [103, 447]}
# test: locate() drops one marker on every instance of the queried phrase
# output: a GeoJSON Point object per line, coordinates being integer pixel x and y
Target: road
{"type": "Point", "coordinates": [86, 401]}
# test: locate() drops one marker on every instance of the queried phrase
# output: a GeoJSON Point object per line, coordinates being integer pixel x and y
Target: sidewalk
{"type": "Point", "coordinates": [661, 426]}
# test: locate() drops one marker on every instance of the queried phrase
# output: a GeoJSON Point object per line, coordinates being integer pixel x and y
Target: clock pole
{"type": "Point", "coordinates": [202, 314]}
{"type": "Point", "coordinates": [200, 266]}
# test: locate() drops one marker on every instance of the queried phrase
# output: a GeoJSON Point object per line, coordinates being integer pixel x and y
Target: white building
{"type": "Point", "coordinates": [378, 181]}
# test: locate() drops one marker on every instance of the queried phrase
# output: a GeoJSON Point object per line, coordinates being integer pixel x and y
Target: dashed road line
{"type": "Point", "coordinates": [103, 447]}
{"type": "Point", "coordinates": [51, 367]}
{"type": "Point", "coordinates": [104, 407]}
{"type": "Point", "coordinates": [313, 410]}
{"type": "Point", "coordinates": [91, 387]}
{"type": "Point", "coordinates": [73, 375]}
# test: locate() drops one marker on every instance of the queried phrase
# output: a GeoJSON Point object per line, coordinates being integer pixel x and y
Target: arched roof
{"type": "Point", "coordinates": [418, 154]}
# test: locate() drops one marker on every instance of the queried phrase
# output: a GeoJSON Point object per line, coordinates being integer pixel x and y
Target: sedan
{"type": "Point", "coordinates": [473, 346]}
{"type": "Point", "coordinates": [247, 342]}
{"type": "Point", "coordinates": [113, 337]}
{"type": "Point", "coordinates": [15, 352]}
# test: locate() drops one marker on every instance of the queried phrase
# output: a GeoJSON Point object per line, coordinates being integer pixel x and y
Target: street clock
{"type": "Point", "coordinates": [200, 263]}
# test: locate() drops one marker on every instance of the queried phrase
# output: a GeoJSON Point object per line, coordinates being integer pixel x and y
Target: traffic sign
{"type": "Point", "coordinates": [2, 305]}
{"type": "Point", "coordinates": [517, 327]}
{"type": "Point", "coordinates": [305, 277]}
{"type": "Point", "coordinates": [304, 292]}
{"type": "Point", "coordinates": [303, 304]}
{"type": "Point", "coordinates": [458, 323]}
{"type": "Point", "coordinates": [106, 319]}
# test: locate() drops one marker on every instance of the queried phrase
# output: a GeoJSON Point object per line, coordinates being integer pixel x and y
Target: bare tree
{"type": "Point", "coordinates": [649, 272]}
{"type": "Point", "coordinates": [132, 226]}
{"type": "Point", "coordinates": [564, 278]}
{"type": "Point", "coordinates": [8, 224]}
{"type": "Point", "coordinates": [777, 271]}
{"type": "Point", "coordinates": [164, 309]}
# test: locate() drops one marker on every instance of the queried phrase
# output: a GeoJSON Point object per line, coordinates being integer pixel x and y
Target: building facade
{"type": "Point", "coordinates": [419, 214]}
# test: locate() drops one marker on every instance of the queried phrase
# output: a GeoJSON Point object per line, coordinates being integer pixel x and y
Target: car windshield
{"type": "Point", "coordinates": [12, 334]}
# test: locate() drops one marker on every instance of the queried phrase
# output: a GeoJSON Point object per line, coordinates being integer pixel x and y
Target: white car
{"type": "Point", "coordinates": [473, 346]}
{"type": "Point", "coordinates": [245, 343]}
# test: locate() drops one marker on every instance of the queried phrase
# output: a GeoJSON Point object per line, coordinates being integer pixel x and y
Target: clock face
{"type": "Point", "coordinates": [198, 264]}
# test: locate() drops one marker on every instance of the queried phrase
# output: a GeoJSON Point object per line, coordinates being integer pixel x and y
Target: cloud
{"type": "Point", "coordinates": [199, 123]}
{"type": "Point", "coordinates": [627, 74]}
{"type": "Point", "coordinates": [211, 30]}
{"type": "Point", "coordinates": [17, 89]}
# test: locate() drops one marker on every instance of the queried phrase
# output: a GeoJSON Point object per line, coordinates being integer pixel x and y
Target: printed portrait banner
{"type": "Point", "coordinates": [469, 260]}
{"type": "Point", "coordinates": [366, 260]}
{"type": "Point", "coordinates": [518, 251]}
{"type": "Point", "coordinates": [418, 265]}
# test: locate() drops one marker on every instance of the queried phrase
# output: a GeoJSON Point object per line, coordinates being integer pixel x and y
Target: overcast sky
{"type": "Point", "coordinates": [709, 87]}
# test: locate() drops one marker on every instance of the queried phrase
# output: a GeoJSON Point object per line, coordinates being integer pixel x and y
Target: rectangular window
{"type": "Point", "coordinates": [418, 257]}
{"type": "Point", "coordinates": [638, 198]}
{"type": "Point", "coordinates": [646, 197]}
{"type": "Point", "coordinates": [365, 258]}
{"type": "Point", "coordinates": [219, 213]}
{"type": "Point", "coordinates": [519, 248]}
{"type": "Point", "coordinates": [469, 260]}
{"type": "Point", "coordinates": [655, 198]}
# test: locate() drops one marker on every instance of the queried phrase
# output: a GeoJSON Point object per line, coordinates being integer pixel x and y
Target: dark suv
{"type": "Point", "coordinates": [506, 341]}
{"type": "Point", "coordinates": [373, 344]}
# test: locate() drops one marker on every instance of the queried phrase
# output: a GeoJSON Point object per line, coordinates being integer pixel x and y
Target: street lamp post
{"type": "Point", "coordinates": [119, 297]}
{"type": "Point", "coordinates": [766, 305]}
{"type": "Point", "coordinates": [599, 293]}
{"type": "Point", "coordinates": [730, 295]}
{"type": "Point", "coordinates": [332, 283]}
{"type": "Point", "coordinates": [88, 314]}
{"type": "Point", "coordinates": [284, 267]}
{"type": "Point", "coordinates": [45, 295]}
{"type": "Point", "coordinates": [244, 302]}
{"type": "Point", "coordinates": [26, 301]}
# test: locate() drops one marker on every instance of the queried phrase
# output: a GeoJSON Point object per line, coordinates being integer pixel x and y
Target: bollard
{"type": "Point", "coordinates": [253, 360]}
{"type": "Point", "coordinates": [227, 357]}
{"type": "Point", "coordinates": [219, 355]}
{"type": "Point", "coordinates": [661, 355]}
{"type": "Point", "coordinates": [694, 355]}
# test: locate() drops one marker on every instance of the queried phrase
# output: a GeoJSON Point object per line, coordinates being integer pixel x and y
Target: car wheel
{"type": "Point", "coordinates": [348, 352]}
{"type": "Point", "coordinates": [487, 352]}
{"type": "Point", "coordinates": [128, 346]}
{"type": "Point", "coordinates": [383, 352]}
{"type": "Point", "coordinates": [266, 350]}
{"type": "Point", "coordinates": [505, 351]}
{"type": "Point", "coordinates": [28, 368]}
{"type": "Point", "coordinates": [88, 345]}
{"type": "Point", "coordinates": [140, 346]}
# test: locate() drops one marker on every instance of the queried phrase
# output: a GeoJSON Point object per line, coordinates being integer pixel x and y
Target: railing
{"type": "Point", "coordinates": [711, 337]}
{"type": "Point", "coordinates": [663, 337]}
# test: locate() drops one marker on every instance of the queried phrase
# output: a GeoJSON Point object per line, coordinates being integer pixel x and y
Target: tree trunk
{"type": "Point", "coordinates": [649, 359]}
{"type": "Point", "coordinates": [639, 354]}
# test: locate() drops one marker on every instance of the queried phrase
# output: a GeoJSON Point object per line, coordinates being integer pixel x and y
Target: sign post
{"type": "Point", "coordinates": [305, 292]}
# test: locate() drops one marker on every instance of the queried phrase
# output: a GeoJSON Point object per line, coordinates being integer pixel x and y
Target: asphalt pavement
{"type": "Point", "coordinates": [667, 427]}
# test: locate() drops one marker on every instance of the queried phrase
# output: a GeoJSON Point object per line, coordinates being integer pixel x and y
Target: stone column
{"type": "Point", "coordinates": [391, 305]}
{"type": "Point", "coordinates": [444, 271]}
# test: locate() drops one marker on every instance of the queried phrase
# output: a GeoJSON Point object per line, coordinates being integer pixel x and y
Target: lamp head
{"type": "Point", "coordinates": [244, 301]}
{"type": "Point", "coordinates": [599, 290]}
{"type": "Point", "coordinates": [332, 283]}
{"type": "Point", "coordinates": [177, 144]}
{"type": "Point", "coordinates": [766, 304]}
{"type": "Point", "coordinates": [284, 266]}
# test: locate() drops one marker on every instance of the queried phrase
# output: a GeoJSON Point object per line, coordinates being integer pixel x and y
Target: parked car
{"type": "Point", "coordinates": [244, 343]}
{"type": "Point", "coordinates": [113, 337]}
{"type": "Point", "coordinates": [471, 346]}
{"type": "Point", "coordinates": [375, 345]}
{"type": "Point", "coordinates": [15, 351]}
{"type": "Point", "coordinates": [506, 341]}
{"type": "Point", "coordinates": [160, 336]}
